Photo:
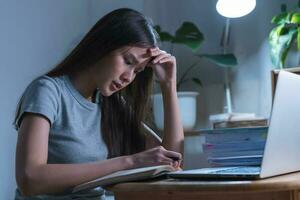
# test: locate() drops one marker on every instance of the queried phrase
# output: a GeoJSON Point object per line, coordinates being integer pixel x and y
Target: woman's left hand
{"type": "Point", "coordinates": [164, 66]}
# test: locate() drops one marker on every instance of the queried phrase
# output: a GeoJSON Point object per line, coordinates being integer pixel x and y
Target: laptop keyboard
{"type": "Point", "coordinates": [238, 170]}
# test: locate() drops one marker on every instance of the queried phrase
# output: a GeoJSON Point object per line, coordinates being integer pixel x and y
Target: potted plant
{"type": "Point", "coordinates": [285, 36]}
{"type": "Point", "coordinates": [189, 35]}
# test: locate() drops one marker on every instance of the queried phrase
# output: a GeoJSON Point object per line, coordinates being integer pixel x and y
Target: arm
{"type": "Point", "coordinates": [34, 176]}
{"type": "Point", "coordinates": [164, 66]}
{"type": "Point", "coordinates": [173, 131]}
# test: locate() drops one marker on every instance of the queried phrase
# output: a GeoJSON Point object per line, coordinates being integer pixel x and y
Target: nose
{"type": "Point", "coordinates": [127, 76]}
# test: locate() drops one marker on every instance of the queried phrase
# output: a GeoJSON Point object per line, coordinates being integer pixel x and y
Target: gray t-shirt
{"type": "Point", "coordinates": [74, 135]}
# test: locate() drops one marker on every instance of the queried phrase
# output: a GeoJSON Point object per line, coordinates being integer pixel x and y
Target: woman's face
{"type": "Point", "coordinates": [119, 68]}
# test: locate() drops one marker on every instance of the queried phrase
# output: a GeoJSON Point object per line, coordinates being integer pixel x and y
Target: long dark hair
{"type": "Point", "coordinates": [123, 112]}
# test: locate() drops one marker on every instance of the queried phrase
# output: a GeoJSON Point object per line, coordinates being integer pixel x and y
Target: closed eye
{"type": "Point", "coordinates": [127, 61]}
{"type": "Point", "coordinates": [130, 60]}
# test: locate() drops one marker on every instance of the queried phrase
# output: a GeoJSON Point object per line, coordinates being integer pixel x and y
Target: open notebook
{"type": "Point", "coordinates": [126, 175]}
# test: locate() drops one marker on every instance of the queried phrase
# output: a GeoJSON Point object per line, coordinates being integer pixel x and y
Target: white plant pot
{"type": "Point", "coordinates": [187, 105]}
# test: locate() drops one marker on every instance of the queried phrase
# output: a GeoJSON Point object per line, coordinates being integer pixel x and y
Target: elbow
{"type": "Point", "coordinates": [26, 184]}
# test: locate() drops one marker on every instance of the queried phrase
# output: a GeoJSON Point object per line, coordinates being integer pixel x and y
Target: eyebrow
{"type": "Point", "coordinates": [133, 57]}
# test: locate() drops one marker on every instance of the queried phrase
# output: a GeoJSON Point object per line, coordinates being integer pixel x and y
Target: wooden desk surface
{"type": "Point", "coordinates": [275, 188]}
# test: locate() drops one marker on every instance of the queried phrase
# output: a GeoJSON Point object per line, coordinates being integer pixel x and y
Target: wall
{"type": "Point", "coordinates": [99, 8]}
{"type": "Point", "coordinates": [35, 35]}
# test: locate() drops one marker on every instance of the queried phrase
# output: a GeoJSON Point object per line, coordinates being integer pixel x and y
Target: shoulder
{"type": "Point", "coordinates": [42, 96]}
{"type": "Point", "coordinates": [44, 81]}
{"type": "Point", "coordinates": [44, 91]}
{"type": "Point", "coordinates": [45, 85]}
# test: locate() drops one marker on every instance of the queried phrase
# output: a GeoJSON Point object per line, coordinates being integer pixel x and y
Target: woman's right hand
{"type": "Point", "coordinates": [156, 156]}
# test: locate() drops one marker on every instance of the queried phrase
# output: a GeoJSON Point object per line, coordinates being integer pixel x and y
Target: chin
{"type": "Point", "coordinates": [106, 92]}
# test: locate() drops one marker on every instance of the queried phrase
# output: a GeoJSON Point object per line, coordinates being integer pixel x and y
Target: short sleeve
{"type": "Point", "coordinates": [40, 97]}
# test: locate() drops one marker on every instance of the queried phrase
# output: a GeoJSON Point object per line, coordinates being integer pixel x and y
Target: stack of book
{"type": "Point", "coordinates": [240, 123]}
{"type": "Point", "coordinates": [234, 120]}
{"type": "Point", "coordinates": [235, 146]}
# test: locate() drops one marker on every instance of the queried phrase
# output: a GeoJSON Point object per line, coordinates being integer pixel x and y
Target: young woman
{"type": "Point", "coordinates": [84, 119]}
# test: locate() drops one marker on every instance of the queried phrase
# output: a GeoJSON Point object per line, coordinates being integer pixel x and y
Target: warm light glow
{"type": "Point", "coordinates": [235, 8]}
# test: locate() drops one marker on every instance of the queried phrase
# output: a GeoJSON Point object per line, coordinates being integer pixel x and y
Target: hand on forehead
{"type": "Point", "coordinates": [139, 54]}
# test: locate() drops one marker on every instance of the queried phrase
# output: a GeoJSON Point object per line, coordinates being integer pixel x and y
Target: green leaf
{"type": "Point", "coordinates": [189, 35]}
{"type": "Point", "coordinates": [164, 36]}
{"type": "Point", "coordinates": [283, 7]}
{"type": "Point", "coordinates": [298, 38]}
{"type": "Point", "coordinates": [298, 4]}
{"type": "Point", "coordinates": [157, 28]}
{"type": "Point", "coordinates": [197, 81]}
{"type": "Point", "coordinates": [280, 44]}
{"type": "Point", "coordinates": [280, 19]}
{"type": "Point", "coordinates": [288, 47]}
{"type": "Point", "coordinates": [295, 18]}
{"type": "Point", "coordinates": [275, 47]}
{"type": "Point", "coordinates": [281, 30]}
{"type": "Point", "coordinates": [275, 33]}
{"type": "Point", "coordinates": [223, 60]}
{"type": "Point", "coordinates": [289, 17]}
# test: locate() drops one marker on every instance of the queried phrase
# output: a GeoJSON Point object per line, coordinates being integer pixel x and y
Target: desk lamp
{"type": "Point", "coordinates": [230, 9]}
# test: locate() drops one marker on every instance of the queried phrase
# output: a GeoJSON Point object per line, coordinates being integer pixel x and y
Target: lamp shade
{"type": "Point", "coordinates": [235, 8]}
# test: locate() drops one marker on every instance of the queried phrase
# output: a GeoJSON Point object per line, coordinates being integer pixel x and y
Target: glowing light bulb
{"type": "Point", "coordinates": [235, 8]}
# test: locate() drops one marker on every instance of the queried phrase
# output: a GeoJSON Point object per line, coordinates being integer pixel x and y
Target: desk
{"type": "Point", "coordinates": [285, 187]}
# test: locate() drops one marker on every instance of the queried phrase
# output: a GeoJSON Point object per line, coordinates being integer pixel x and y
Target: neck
{"type": "Point", "coordinates": [83, 83]}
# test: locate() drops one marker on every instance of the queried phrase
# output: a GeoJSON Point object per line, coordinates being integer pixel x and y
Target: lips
{"type": "Point", "coordinates": [117, 85]}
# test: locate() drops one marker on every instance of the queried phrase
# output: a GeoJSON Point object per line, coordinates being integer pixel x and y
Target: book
{"type": "Point", "coordinates": [126, 176]}
{"type": "Point", "coordinates": [234, 134]}
{"type": "Point", "coordinates": [231, 116]}
{"type": "Point", "coordinates": [234, 146]}
{"type": "Point", "coordinates": [240, 123]}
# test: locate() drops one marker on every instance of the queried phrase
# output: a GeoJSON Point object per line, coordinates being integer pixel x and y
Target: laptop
{"type": "Point", "coordinates": [282, 148]}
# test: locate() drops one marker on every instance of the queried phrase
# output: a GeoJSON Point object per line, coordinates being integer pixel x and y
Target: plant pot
{"type": "Point", "coordinates": [187, 105]}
